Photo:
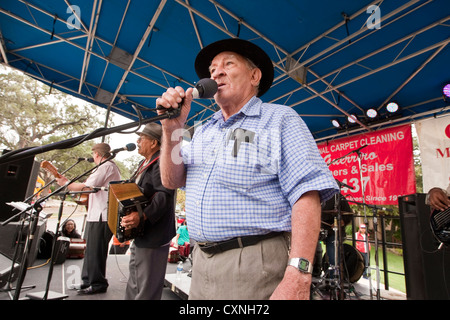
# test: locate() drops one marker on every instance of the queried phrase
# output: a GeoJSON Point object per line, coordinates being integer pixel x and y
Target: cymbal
{"type": "Point", "coordinates": [335, 212]}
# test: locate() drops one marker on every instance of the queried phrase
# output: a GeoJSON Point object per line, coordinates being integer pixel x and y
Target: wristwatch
{"type": "Point", "coordinates": [302, 264]}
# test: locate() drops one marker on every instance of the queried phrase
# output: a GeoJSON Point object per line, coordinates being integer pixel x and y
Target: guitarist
{"type": "Point", "coordinates": [438, 199]}
{"type": "Point", "coordinates": [97, 234]}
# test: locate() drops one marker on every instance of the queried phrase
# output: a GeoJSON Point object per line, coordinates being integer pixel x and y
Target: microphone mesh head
{"type": "Point", "coordinates": [206, 87]}
{"type": "Point", "coordinates": [130, 146]}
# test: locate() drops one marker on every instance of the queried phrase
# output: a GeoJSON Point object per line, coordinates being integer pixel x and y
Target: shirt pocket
{"type": "Point", "coordinates": [244, 167]}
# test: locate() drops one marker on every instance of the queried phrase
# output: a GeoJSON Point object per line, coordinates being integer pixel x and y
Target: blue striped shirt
{"type": "Point", "coordinates": [245, 174]}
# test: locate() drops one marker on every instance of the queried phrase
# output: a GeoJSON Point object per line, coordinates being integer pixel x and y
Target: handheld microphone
{"type": "Point", "coordinates": [86, 159]}
{"type": "Point", "coordinates": [128, 147]}
{"type": "Point", "coordinates": [204, 89]}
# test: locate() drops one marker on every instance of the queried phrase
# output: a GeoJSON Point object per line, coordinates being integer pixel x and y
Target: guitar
{"type": "Point", "coordinates": [83, 199]}
{"type": "Point", "coordinates": [440, 225]}
{"type": "Point", "coordinates": [50, 168]}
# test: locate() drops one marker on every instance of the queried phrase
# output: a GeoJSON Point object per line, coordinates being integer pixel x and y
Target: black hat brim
{"type": "Point", "coordinates": [245, 49]}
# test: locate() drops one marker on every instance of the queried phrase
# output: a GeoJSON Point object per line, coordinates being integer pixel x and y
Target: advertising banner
{"type": "Point", "coordinates": [379, 163]}
{"type": "Point", "coordinates": [434, 145]}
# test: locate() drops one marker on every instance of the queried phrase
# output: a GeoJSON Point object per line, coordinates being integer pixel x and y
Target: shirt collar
{"type": "Point", "coordinates": [251, 109]}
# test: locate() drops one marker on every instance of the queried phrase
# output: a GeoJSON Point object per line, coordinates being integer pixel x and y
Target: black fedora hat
{"type": "Point", "coordinates": [245, 49]}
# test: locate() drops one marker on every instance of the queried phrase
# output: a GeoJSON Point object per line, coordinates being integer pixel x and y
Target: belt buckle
{"type": "Point", "coordinates": [206, 244]}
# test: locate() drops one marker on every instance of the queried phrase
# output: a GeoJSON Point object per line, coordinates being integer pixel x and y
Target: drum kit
{"type": "Point", "coordinates": [342, 265]}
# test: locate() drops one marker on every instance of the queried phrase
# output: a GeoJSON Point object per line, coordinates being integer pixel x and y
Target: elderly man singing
{"type": "Point", "coordinates": [254, 181]}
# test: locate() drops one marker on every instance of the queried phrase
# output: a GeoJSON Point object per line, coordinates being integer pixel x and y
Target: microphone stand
{"type": "Point", "coordinates": [18, 242]}
{"type": "Point", "coordinates": [342, 157]}
{"type": "Point", "coordinates": [32, 196]}
{"type": "Point", "coordinates": [63, 197]}
{"type": "Point", "coordinates": [367, 263]}
{"type": "Point", "coordinates": [72, 142]}
{"type": "Point", "coordinates": [19, 236]}
{"type": "Point", "coordinates": [366, 242]}
{"type": "Point", "coordinates": [38, 208]}
{"type": "Point", "coordinates": [358, 153]}
{"type": "Point", "coordinates": [332, 278]}
{"type": "Point", "coordinates": [339, 252]}
{"type": "Point", "coordinates": [53, 254]}
{"type": "Point", "coordinates": [53, 180]}
{"type": "Point", "coordinates": [68, 143]}
{"type": "Point", "coordinates": [377, 266]}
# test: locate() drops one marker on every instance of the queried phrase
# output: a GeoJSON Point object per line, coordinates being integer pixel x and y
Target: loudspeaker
{"type": "Point", "coordinates": [6, 267]}
{"type": "Point", "coordinates": [46, 247]}
{"type": "Point", "coordinates": [61, 250]}
{"type": "Point", "coordinates": [9, 236]}
{"type": "Point", "coordinates": [17, 182]}
{"type": "Point", "coordinates": [427, 269]}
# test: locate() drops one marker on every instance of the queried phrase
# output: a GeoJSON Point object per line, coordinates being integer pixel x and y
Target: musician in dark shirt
{"type": "Point", "coordinates": [438, 198]}
{"type": "Point", "coordinates": [149, 251]}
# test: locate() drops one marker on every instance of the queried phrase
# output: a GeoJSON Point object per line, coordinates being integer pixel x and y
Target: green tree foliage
{"type": "Point", "coordinates": [33, 114]}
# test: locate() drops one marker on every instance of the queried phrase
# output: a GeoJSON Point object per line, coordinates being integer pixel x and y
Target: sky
{"type": "Point", "coordinates": [118, 140]}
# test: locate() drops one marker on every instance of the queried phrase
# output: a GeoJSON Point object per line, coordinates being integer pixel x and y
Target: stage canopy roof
{"type": "Point", "coordinates": [331, 58]}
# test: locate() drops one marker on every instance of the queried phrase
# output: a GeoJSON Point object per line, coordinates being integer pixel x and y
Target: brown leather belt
{"type": "Point", "coordinates": [240, 242]}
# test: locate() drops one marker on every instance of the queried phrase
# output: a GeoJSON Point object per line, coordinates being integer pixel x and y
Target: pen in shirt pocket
{"type": "Point", "coordinates": [240, 135]}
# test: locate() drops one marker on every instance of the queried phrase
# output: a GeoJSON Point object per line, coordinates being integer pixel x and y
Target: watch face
{"type": "Point", "coordinates": [303, 264]}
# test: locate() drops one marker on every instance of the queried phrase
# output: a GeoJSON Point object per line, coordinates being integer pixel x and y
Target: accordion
{"type": "Point", "coordinates": [124, 198]}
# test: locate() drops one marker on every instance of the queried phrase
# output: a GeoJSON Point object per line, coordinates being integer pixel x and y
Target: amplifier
{"type": "Point", "coordinates": [427, 268]}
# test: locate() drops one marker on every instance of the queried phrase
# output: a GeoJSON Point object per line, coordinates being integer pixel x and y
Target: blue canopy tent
{"type": "Point", "coordinates": [331, 58]}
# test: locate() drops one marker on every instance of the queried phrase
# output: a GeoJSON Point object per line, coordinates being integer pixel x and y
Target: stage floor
{"type": "Point", "coordinates": [68, 273]}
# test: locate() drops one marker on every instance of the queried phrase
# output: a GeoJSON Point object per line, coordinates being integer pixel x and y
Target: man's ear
{"type": "Point", "coordinates": [256, 77]}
